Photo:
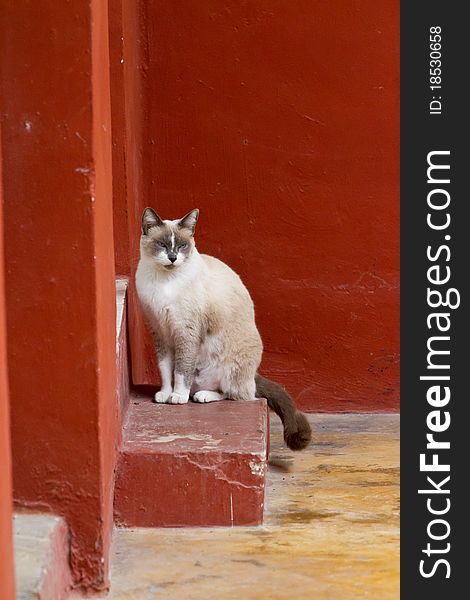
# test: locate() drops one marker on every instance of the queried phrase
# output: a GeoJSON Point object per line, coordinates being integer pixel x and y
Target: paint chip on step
{"type": "Point", "coordinates": [171, 437]}
{"type": "Point", "coordinates": [257, 468]}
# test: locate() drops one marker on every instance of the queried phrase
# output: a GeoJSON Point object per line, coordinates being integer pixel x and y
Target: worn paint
{"type": "Point", "coordinates": [258, 468]}
{"type": "Point", "coordinates": [280, 122]}
{"type": "Point", "coordinates": [331, 528]}
{"type": "Point", "coordinates": [146, 437]}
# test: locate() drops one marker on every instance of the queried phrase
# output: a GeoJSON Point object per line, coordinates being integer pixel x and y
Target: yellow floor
{"type": "Point", "coordinates": [331, 528]}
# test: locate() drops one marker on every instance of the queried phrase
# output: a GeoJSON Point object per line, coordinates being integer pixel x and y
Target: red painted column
{"type": "Point", "coordinates": [129, 106]}
{"type": "Point", "coordinates": [7, 585]}
{"type": "Point", "coordinates": [60, 268]}
{"type": "Point", "coordinates": [131, 151]}
{"type": "Point", "coordinates": [120, 209]}
{"type": "Point", "coordinates": [139, 177]}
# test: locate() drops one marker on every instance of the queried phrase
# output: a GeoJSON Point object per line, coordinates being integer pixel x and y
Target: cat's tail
{"type": "Point", "coordinates": [297, 431]}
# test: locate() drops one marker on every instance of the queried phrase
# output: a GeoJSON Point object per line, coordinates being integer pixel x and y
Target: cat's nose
{"type": "Point", "coordinates": [172, 256]}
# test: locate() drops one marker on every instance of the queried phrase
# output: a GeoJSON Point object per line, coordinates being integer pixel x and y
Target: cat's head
{"type": "Point", "coordinates": [168, 243]}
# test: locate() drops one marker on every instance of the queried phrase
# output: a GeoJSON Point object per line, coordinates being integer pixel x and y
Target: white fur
{"type": "Point", "coordinates": [162, 292]}
{"type": "Point", "coordinates": [207, 396]}
{"type": "Point", "coordinates": [181, 390]}
{"type": "Point", "coordinates": [166, 372]}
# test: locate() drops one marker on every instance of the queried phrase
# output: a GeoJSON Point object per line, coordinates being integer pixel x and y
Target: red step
{"type": "Point", "coordinates": [192, 464]}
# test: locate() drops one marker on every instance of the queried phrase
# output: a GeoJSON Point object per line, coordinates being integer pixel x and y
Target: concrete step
{"type": "Point", "coordinates": [192, 465]}
{"type": "Point", "coordinates": [41, 545]}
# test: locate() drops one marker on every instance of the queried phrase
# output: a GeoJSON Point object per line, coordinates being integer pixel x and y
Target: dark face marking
{"type": "Point", "coordinates": [150, 219]}
{"type": "Point", "coordinates": [189, 221]}
{"type": "Point", "coordinates": [171, 242]}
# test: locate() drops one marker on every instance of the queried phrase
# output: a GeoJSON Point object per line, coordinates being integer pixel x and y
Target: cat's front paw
{"type": "Point", "coordinates": [204, 396]}
{"type": "Point", "coordinates": [162, 396]}
{"type": "Point", "coordinates": [178, 398]}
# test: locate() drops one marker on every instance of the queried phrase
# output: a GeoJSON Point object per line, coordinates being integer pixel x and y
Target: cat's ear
{"type": "Point", "coordinates": [189, 221]}
{"type": "Point", "coordinates": [150, 219]}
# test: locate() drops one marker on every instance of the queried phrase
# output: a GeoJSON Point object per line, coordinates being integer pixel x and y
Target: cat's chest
{"type": "Point", "coordinates": [166, 301]}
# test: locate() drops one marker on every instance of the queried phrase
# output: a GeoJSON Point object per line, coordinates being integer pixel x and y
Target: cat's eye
{"type": "Point", "coordinates": [182, 246]}
{"type": "Point", "coordinates": [160, 245]}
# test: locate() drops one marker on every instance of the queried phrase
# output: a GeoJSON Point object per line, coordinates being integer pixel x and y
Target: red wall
{"type": "Point", "coordinates": [280, 121]}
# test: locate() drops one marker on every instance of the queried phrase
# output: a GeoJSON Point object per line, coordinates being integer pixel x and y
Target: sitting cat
{"type": "Point", "coordinates": [203, 322]}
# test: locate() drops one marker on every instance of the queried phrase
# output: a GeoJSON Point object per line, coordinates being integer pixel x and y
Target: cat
{"type": "Point", "coordinates": [203, 322]}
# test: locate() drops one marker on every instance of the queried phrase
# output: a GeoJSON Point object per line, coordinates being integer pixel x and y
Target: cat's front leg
{"type": "Point", "coordinates": [186, 351]}
{"type": "Point", "coordinates": [165, 365]}
{"type": "Point", "coordinates": [165, 360]}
